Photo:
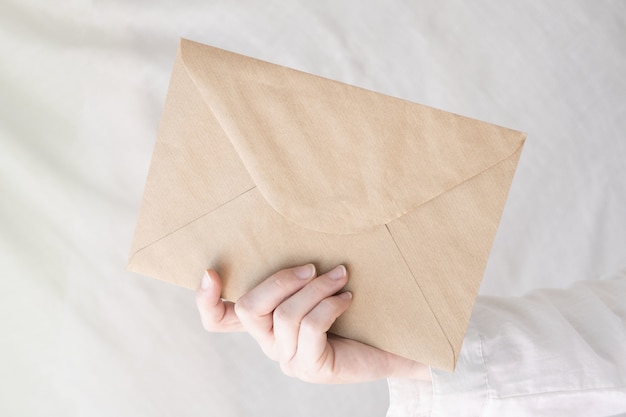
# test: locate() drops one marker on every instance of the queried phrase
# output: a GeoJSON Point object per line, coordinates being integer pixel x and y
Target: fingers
{"type": "Point", "coordinates": [255, 308]}
{"type": "Point", "coordinates": [216, 315]}
{"type": "Point", "coordinates": [290, 314]}
{"type": "Point", "coordinates": [309, 305]}
{"type": "Point", "coordinates": [312, 339]}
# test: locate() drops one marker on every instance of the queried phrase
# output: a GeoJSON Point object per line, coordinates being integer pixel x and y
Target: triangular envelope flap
{"type": "Point", "coordinates": [333, 157]}
{"type": "Point", "coordinates": [193, 162]}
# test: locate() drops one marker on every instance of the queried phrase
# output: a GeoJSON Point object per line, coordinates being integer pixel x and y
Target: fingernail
{"type": "Point", "coordinates": [305, 271]}
{"type": "Point", "coordinates": [206, 281]}
{"type": "Point", "coordinates": [346, 295]}
{"type": "Point", "coordinates": [337, 273]}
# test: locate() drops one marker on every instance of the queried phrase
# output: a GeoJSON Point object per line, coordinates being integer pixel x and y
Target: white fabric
{"type": "Point", "coordinates": [82, 85]}
{"type": "Point", "coordinates": [552, 352]}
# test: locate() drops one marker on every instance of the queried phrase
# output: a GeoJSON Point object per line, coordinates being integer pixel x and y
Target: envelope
{"type": "Point", "coordinates": [258, 167]}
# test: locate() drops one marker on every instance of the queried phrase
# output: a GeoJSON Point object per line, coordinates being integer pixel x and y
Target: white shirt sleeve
{"type": "Point", "coordinates": [552, 352]}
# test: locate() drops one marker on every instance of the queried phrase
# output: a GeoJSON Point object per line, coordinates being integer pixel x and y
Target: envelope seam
{"type": "Point", "coordinates": [422, 292]}
{"type": "Point", "coordinates": [189, 222]}
{"type": "Point", "coordinates": [210, 109]}
{"type": "Point", "coordinates": [460, 183]}
{"type": "Point", "coordinates": [215, 116]}
{"type": "Point", "coordinates": [208, 106]}
{"type": "Point", "coordinates": [388, 220]}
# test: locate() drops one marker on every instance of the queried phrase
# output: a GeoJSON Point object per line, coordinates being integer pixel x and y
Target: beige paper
{"type": "Point", "coordinates": [259, 167]}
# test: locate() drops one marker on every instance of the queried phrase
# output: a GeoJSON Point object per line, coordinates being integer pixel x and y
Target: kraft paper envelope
{"type": "Point", "coordinates": [259, 167]}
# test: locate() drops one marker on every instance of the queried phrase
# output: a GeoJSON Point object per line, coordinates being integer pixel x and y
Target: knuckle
{"type": "Point", "coordinates": [320, 320]}
{"type": "Point", "coordinates": [319, 288]}
{"type": "Point", "coordinates": [280, 280]}
{"type": "Point", "coordinates": [331, 304]}
{"type": "Point", "coordinates": [311, 324]}
{"type": "Point", "coordinates": [282, 314]}
{"type": "Point", "coordinates": [333, 308]}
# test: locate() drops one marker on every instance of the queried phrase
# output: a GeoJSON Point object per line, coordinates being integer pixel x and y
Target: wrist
{"type": "Point", "coordinates": [403, 368]}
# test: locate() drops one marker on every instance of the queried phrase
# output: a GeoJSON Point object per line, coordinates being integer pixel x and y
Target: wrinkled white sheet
{"type": "Point", "coordinates": [81, 90]}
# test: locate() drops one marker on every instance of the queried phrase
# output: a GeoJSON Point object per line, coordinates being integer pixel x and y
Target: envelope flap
{"type": "Point", "coordinates": [333, 157]}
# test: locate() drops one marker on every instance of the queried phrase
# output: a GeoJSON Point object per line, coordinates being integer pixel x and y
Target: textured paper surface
{"type": "Point", "coordinates": [258, 167]}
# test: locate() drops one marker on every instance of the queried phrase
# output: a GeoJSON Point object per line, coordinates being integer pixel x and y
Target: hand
{"type": "Point", "coordinates": [289, 315]}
